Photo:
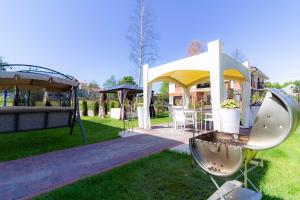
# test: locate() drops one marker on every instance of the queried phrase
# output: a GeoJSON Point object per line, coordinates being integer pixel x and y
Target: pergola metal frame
{"type": "Point", "coordinates": [35, 69]}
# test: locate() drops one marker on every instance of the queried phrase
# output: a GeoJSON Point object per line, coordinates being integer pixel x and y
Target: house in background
{"type": "Point", "coordinates": [202, 91]}
{"type": "Point", "coordinates": [258, 78]}
{"type": "Point", "coordinates": [88, 92]}
{"type": "Point", "coordinates": [258, 81]}
{"type": "Point", "coordinates": [198, 92]}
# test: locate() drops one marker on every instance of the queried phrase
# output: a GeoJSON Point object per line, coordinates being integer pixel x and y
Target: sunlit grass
{"type": "Point", "coordinates": [169, 175]}
{"type": "Point", "coordinates": [22, 144]}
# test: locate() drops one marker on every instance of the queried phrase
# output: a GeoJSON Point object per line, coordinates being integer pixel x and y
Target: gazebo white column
{"type": "Point", "coordinates": [147, 96]}
{"type": "Point", "coordinates": [246, 97]}
{"type": "Point", "coordinates": [215, 50]}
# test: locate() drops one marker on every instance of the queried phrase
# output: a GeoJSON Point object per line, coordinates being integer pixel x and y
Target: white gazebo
{"type": "Point", "coordinates": [214, 66]}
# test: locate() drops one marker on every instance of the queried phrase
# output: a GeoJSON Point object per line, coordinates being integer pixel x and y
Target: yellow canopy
{"type": "Point", "coordinates": [190, 77]}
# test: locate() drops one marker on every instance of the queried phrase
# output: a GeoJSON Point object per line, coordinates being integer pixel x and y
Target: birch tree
{"type": "Point", "coordinates": [142, 38]}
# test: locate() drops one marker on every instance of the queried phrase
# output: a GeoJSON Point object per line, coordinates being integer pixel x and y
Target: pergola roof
{"type": "Point", "coordinates": [132, 89]}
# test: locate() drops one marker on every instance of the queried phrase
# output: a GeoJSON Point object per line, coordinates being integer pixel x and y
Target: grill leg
{"type": "Point", "coordinates": [246, 179]}
{"type": "Point", "coordinates": [217, 186]}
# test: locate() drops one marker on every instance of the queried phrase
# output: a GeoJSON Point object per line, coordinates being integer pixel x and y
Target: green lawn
{"type": "Point", "coordinates": [22, 144]}
{"type": "Point", "coordinates": [9, 101]}
{"type": "Point", "coordinates": [168, 175]}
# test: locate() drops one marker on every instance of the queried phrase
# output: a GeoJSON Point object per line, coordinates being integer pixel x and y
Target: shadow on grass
{"type": "Point", "coordinates": [268, 197]}
{"type": "Point", "coordinates": [162, 115]}
{"type": "Point", "coordinates": [257, 176]}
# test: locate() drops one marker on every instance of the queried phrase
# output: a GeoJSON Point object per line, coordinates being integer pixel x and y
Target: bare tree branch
{"type": "Point", "coordinates": [238, 55]}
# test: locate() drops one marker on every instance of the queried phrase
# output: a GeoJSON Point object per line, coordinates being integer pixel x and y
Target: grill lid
{"type": "Point", "coordinates": [276, 120]}
{"type": "Point", "coordinates": [222, 154]}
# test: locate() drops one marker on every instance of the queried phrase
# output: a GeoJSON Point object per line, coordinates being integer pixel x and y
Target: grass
{"type": "Point", "coordinates": [168, 175]}
{"type": "Point", "coordinates": [165, 175]}
{"type": "Point", "coordinates": [9, 101]}
{"type": "Point", "coordinates": [18, 145]}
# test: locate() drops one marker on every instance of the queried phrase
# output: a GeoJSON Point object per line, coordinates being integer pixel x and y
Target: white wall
{"type": "Point", "coordinates": [171, 87]}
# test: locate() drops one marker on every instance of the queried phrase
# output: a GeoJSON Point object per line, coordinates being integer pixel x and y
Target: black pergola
{"type": "Point", "coordinates": [124, 92]}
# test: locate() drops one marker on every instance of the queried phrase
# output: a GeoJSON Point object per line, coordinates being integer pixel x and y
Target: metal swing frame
{"type": "Point", "coordinates": [38, 70]}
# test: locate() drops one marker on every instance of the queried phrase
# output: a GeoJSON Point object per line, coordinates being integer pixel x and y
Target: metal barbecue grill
{"type": "Point", "coordinates": [223, 154]}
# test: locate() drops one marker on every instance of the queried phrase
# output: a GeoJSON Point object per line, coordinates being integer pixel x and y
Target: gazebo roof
{"type": "Point", "coordinates": [214, 66]}
{"type": "Point", "coordinates": [200, 68]}
{"type": "Point", "coordinates": [130, 88]}
{"type": "Point", "coordinates": [35, 77]}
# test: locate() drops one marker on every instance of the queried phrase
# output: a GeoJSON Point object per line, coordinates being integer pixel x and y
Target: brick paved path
{"type": "Point", "coordinates": [25, 178]}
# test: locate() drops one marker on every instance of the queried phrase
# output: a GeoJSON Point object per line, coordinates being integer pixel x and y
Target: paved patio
{"type": "Point", "coordinates": [25, 178]}
{"type": "Point", "coordinates": [167, 131]}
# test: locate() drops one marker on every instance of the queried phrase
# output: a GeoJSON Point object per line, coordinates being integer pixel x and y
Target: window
{"type": "Point", "coordinates": [203, 85]}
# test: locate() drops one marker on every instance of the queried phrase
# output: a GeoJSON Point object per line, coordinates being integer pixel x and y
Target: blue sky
{"type": "Point", "coordinates": [87, 39]}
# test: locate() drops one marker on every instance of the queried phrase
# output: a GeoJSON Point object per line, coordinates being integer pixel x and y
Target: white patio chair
{"type": "Point", "coordinates": [210, 118]}
{"type": "Point", "coordinates": [170, 112]}
{"type": "Point", "coordinates": [180, 119]}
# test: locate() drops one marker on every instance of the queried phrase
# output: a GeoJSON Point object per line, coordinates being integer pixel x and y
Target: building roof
{"type": "Point", "coordinates": [254, 69]}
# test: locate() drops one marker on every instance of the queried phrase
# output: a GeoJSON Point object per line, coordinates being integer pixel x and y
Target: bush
{"type": "Point", "coordinates": [96, 108]}
{"type": "Point", "coordinates": [162, 101]}
{"type": "Point", "coordinates": [84, 108]}
{"type": "Point", "coordinates": [114, 104]}
{"type": "Point", "coordinates": [256, 99]}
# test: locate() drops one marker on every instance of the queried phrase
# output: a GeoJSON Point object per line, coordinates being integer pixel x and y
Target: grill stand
{"type": "Point", "coordinates": [234, 189]}
{"type": "Point", "coordinates": [244, 173]}
{"type": "Point", "coordinates": [223, 154]}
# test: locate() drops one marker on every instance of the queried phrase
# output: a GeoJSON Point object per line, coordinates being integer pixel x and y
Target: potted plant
{"type": "Point", "coordinates": [256, 102]}
{"type": "Point", "coordinates": [230, 116]}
